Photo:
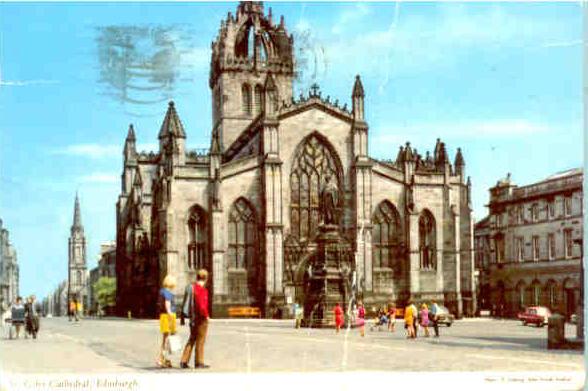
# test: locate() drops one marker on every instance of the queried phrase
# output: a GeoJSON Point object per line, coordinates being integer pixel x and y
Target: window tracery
{"type": "Point", "coordinates": [197, 239]}
{"type": "Point", "coordinates": [387, 236]}
{"type": "Point", "coordinates": [427, 240]}
{"type": "Point", "coordinates": [242, 235]}
{"type": "Point", "coordinates": [313, 163]}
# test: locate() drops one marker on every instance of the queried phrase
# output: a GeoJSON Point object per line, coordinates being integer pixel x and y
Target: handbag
{"type": "Point", "coordinates": [174, 344]}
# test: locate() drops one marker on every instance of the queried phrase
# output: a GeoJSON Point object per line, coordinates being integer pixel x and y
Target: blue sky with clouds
{"type": "Point", "coordinates": [502, 81]}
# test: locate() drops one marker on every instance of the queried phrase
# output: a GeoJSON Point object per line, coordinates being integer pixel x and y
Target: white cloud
{"type": "Point", "coordinates": [350, 16]}
{"type": "Point", "coordinates": [196, 58]}
{"type": "Point", "coordinates": [467, 130]}
{"type": "Point", "coordinates": [99, 151]}
{"type": "Point", "coordinates": [99, 177]}
{"type": "Point", "coordinates": [561, 44]}
{"type": "Point", "coordinates": [414, 43]}
{"type": "Point", "coordinates": [94, 151]}
{"type": "Point", "coordinates": [22, 83]}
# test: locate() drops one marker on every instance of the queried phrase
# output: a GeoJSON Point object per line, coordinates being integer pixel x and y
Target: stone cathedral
{"type": "Point", "coordinates": [249, 209]}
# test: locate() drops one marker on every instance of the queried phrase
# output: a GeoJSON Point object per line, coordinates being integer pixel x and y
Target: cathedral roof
{"type": "Point", "coordinates": [172, 124]}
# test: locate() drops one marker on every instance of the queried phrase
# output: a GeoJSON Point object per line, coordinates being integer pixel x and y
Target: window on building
{"type": "Point", "coordinates": [197, 235]}
{"type": "Point", "coordinates": [519, 249]}
{"type": "Point", "coordinates": [521, 293]}
{"type": "Point", "coordinates": [246, 99]}
{"type": "Point", "coordinates": [535, 248]}
{"type": "Point", "coordinates": [258, 98]}
{"type": "Point", "coordinates": [535, 212]}
{"type": "Point", "coordinates": [499, 248]}
{"type": "Point", "coordinates": [242, 235]}
{"type": "Point", "coordinates": [498, 219]}
{"type": "Point", "coordinates": [568, 243]}
{"type": "Point", "coordinates": [313, 163]}
{"type": "Point", "coordinates": [520, 214]}
{"type": "Point", "coordinates": [551, 246]}
{"type": "Point", "coordinates": [551, 208]}
{"type": "Point", "coordinates": [427, 240]}
{"type": "Point", "coordinates": [551, 294]}
{"type": "Point", "coordinates": [568, 205]}
{"type": "Point", "coordinates": [536, 293]}
{"type": "Point", "coordinates": [387, 235]}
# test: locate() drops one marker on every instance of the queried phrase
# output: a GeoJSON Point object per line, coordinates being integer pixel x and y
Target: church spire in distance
{"type": "Point", "coordinates": [77, 220]}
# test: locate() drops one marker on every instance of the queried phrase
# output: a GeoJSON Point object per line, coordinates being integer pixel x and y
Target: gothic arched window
{"type": "Point", "coordinates": [242, 235]}
{"type": "Point", "coordinates": [427, 240]}
{"type": "Point", "coordinates": [197, 235]}
{"type": "Point", "coordinates": [314, 161]}
{"type": "Point", "coordinates": [79, 277]}
{"type": "Point", "coordinates": [387, 235]}
{"type": "Point", "coordinates": [246, 98]}
{"type": "Point", "coordinates": [258, 97]}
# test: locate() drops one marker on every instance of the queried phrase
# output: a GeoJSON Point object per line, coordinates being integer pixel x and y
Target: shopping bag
{"type": "Point", "coordinates": [174, 344]}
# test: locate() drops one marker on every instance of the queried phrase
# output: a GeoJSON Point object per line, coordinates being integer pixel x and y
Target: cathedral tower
{"type": "Point", "coordinates": [248, 48]}
{"type": "Point", "coordinates": [77, 257]}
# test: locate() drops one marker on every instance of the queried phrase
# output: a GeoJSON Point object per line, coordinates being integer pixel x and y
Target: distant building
{"type": "Point", "coordinates": [526, 248]}
{"type": "Point", "coordinates": [57, 301]}
{"type": "Point", "coordinates": [106, 268]}
{"type": "Point", "coordinates": [9, 270]}
{"type": "Point", "coordinates": [77, 269]}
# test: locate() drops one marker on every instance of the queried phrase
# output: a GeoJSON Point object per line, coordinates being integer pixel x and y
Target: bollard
{"type": "Point", "coordinates": [129, 314]}
{"type": "Point", "coordinates": [555, 332]}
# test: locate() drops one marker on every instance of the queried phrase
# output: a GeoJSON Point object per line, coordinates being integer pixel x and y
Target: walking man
{"type": "Point", "coordinates": [196, 307]}
{"type": "Point", "coordinates": [434, 317]}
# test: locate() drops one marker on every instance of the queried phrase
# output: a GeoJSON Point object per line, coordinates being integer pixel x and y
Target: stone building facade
{"type": "Point", "coordinates": [106, 268]}
{"type": "Point", "coordinates": [527, 249]}
{"type": "Point", "coordinates": [9, 270]}
{"type": "Point", "coordinates": [77, 268]}
{"type": "Point", "coordinates": [248, 208]}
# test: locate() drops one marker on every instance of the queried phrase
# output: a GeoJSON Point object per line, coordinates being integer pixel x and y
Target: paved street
{"type": "Point", "coordinates": [120, 345]}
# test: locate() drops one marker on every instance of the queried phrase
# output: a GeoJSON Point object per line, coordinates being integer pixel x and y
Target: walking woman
{"type": "Point", "coordinates": [391, 317]}
{"type": "Point", "coordinates": [338, 317]}
{"type": "Point", "coordinates": [409, 320]}
{"type": "Point", "coordinates": [167, 318]}
{"type": "Point", "coordinates": [425, 319]}
{"type": "Point", "coordinates": [18, 315]}
{"type": "Point", "coordinates": [361, 318]}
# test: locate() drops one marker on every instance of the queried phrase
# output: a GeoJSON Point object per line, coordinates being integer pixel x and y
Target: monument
{"type": "Point", "coordinates": [328, 279]}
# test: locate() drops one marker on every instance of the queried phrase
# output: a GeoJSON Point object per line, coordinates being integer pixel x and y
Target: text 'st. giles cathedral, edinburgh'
{"type": "Point", "coordinates": [287, 206]}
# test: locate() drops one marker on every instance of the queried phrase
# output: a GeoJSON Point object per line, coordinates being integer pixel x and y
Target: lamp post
{"type": "Point", "coordinates": [580, 309]}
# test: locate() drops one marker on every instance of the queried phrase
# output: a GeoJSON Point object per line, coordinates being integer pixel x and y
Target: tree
{"type": "Point", "coordinates": [105, 291]}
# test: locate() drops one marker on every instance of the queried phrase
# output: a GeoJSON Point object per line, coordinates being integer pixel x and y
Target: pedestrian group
{"type": "Point", "coordinates": [23, 313]}
{"type": "Point", "coordinates": [195, 309]}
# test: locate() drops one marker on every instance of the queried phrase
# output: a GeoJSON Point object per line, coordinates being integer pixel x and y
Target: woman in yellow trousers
{"type": "Point", "coordinates": [167, 318]}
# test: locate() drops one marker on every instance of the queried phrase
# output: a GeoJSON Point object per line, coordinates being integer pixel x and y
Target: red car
{"type": "Point", "coordinates": [535, 315]}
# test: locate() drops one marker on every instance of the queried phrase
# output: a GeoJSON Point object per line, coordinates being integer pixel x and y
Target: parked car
{"type": "Point", "coordinates": [444, 316]}
{"type": "Point", "coordinates": [535, 315]}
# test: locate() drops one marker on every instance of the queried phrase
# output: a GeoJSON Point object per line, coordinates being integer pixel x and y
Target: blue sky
{"type": "Point", "coordinates": [501, 81]}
